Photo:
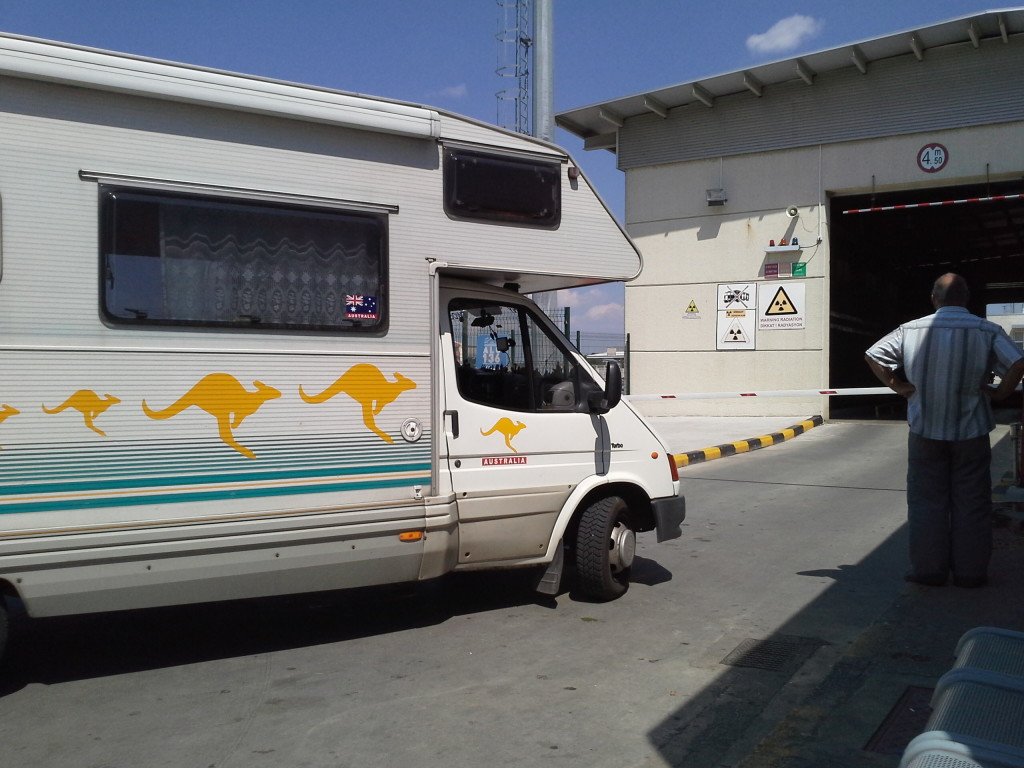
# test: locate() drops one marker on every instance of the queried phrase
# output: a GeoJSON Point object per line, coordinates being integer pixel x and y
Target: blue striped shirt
{"type": "Point", "coordinates": [948, 356]}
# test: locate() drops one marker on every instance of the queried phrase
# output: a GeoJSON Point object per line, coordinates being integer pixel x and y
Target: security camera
{"type": "Point", "coordinates": [792, 211]}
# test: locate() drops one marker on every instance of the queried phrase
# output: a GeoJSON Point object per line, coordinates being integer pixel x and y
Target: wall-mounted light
{"type": "Point", "coordinates": [716, 196]}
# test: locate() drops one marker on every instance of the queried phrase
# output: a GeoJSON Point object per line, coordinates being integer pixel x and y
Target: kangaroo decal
{"type": "Point", "coordinates": [508, 428]}
{"type": "Point", "coordinates": [89, 404]}
{"type": "Point", "coordinates": [365, 384]}
{"type": "Point", "coordinates": [6, 411]}
{"type": "Point", "coordinates": [226, 399]}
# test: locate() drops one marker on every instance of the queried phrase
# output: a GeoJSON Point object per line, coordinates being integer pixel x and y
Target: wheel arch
{"type": "Point", "coordinates": [636, 498]}
{"type": "Point", "coordinates": [637, 501]}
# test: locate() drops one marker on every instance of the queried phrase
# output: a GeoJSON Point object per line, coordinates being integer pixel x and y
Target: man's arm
{"type": "Point", "coordinates": [889, 378]}
{"type": "Point", "coordinates": [1009, 381]}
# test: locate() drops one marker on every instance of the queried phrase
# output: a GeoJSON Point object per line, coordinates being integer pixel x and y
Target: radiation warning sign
{"type": "Point", "coordinates": [736, 329]}
{"type": "Point", "coordinates": [780, 306]}
{"type": "Point", "coordinates": [691, 312]}
{"type": "Point", "coordinates": [737, 323]}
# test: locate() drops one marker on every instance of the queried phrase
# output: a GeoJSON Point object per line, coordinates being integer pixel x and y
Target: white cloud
{"type": "Point", "coordinates": [459, 91]}
{"type": "Point", "coordinates": [604, 312]}
{"type": "Point", "coordinates": [785, 35]}
{"type": "Point", "coordinates": [595, 309]}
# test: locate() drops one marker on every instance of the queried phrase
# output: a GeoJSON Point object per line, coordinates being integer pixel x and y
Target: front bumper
{"type": "Point", "coordinates": [668, 516]}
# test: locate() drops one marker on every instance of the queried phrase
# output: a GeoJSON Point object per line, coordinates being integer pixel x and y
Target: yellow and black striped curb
{"type": "Point", "coordinates": [743, 446]}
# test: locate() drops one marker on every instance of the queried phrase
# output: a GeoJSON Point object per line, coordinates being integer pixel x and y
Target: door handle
{"type": "Point", "coordinates": [455, 422]}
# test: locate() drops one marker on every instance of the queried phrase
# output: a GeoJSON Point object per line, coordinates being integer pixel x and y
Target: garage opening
{"type": "Point", "coordinates": [883, 264]}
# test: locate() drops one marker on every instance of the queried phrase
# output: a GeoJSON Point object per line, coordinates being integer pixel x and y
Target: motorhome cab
{"type": "Point", "coordinates": [261, 338]}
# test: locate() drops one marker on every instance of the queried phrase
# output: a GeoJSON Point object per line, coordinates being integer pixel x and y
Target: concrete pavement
{"type": "Point", "coordinates": [799, 545]}
{"type": "Point", "coordinates": [861, 705]}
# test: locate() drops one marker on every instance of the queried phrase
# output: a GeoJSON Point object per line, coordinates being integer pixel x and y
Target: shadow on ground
{"type": "Point", "coordinates": [59, 649]}
{"type": "Point", "coordinates": [824, 704]}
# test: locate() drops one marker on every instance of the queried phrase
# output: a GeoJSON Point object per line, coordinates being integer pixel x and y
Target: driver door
{"type": "Point", "coordinates": [519, 435]}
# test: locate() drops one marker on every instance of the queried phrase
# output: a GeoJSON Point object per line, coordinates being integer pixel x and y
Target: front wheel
{"type": "Point", "coordinates": [605, 548]}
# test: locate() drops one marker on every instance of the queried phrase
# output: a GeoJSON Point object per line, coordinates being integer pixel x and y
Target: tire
{"type": "Point", "coordinates": [605, 546]}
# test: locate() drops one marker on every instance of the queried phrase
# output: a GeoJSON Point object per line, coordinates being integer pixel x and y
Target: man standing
{"type": "Point", "coordinates": [946, 360]}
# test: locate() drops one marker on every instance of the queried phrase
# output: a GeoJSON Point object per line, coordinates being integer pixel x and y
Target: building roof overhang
{"type": "Point", "coordinates": [598, 124]}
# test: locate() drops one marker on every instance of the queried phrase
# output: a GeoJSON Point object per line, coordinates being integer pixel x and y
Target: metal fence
{"type": "Point", "coordinates": [596, 347]}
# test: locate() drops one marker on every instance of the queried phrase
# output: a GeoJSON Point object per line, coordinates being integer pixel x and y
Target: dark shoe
{"type": "Point", "coordinates": [966, 583]}
{"type": "Point", "coordinates": [928, 581]}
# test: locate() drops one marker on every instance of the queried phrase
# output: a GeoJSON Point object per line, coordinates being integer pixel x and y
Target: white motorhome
{"type": "Point", "coordinates": [261, 338]}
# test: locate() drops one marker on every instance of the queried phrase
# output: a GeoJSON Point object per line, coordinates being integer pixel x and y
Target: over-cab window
{"type": "Point", "coordinates": [506, 358]}
{"type": "Point", "coordinates": [502, 188]}
{"type": "Point", "coordinates": [194, 260]}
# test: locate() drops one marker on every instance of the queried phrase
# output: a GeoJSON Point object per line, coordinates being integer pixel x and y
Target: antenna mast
{"type": "Point", "coordinates": [515, 38]}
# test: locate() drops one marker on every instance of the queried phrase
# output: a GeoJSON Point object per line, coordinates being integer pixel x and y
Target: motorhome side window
{"type": "Point", "coordinates": [193, 260]}
{"type": "Point", "coordinates": [507, 359]}
{"type": "Point", "coordinates": [498, 188]}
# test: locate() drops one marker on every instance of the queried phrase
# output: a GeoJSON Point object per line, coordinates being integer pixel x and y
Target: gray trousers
{"type": "Point", "coordinates": [949, 506]}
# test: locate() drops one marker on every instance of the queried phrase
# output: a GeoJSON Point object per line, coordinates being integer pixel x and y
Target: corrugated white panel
{"type": "Point", "coordinates": [952, 87]}
{"type": "Point", "coordinates": [74, 382]}
{"type": "Point", "coordinates": [147, 436]}
{"type": "Point", "coordinates": [119, 73]}
{"type": "Point", "coordinates": [458, 128]}
{"type": "Point", "coordinates": [50, 216]}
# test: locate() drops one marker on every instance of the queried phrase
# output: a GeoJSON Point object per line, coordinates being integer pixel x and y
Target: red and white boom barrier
{"type": "Point", "coordinates": [772, 393]}
{"type": "Point", "coordinates": [934, 204]}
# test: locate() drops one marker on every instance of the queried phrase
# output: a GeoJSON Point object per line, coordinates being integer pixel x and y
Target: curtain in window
{"type": "Point", "coordinates": [229, 263]}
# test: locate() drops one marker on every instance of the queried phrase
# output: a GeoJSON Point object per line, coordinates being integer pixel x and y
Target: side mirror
{"type": "Point", "coordinates": [602, 402]}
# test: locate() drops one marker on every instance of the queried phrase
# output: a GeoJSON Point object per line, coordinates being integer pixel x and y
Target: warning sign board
{"type": "Point", "coordinates": [736, 329]}
{"type": "Point", "coordinates": [781, 306]}
{"type": "Point", "coordinates": [691, 313]}
{"type": "Point", "coordinates": [737, 307]}
{"type": "Point", "coordinates": [736, 296]}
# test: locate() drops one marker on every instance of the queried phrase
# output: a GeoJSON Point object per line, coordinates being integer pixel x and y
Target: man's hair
{"type": "Point", "coordinates": [951, 290]}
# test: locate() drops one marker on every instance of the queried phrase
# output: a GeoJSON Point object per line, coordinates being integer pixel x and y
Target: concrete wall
{"type": "Point", "coordinates": [689, 248]}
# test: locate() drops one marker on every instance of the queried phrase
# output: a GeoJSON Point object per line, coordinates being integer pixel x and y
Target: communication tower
{"type": "Point", "coordinates": [515, 38]}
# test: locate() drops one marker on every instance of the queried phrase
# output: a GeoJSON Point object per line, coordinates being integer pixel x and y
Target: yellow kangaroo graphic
{"type": "Point", "coordinates": [365, 384]}
{"type": "Point", "coordinates": [6, 411]}
{"type": "Point", "coordinates": [508, 428]}
{"type": "Point", "coordinates": [226, 399]}
{"type": "Point", "coordinates": [89, 404]}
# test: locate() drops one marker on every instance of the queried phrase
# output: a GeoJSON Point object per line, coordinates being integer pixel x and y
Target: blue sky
{"type": "Point", "coordinates": [444, 53]}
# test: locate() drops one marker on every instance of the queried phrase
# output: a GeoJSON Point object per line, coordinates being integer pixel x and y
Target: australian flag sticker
{"type": "Point", "coordinates": [360, 307]}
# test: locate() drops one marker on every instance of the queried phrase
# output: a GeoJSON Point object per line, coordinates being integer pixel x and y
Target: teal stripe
{"type": "Point", "coordinates": [176, 498]}
{"type": "Point", "coordinates": [130, 451]}
{"type": "Point", "coordinates": [153, 482]}
{"type": "Point", "coordinates": [133, 468]}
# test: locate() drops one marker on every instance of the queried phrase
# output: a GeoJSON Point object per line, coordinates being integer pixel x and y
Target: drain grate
{"type": "Point", "coordinates": [777, 654]}
{"type": "Point", "coordinates": [905, 720]}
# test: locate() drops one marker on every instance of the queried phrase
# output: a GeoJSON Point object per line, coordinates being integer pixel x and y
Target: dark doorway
{"type": "Point", "coordinates": [883, 264]}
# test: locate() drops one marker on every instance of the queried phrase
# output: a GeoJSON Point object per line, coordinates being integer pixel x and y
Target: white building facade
{"type": "Point", "coordinates": [792, 213]}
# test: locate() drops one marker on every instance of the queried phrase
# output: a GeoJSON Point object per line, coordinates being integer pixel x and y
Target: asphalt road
{"type": "Point", "coordinates": [801, 543]}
